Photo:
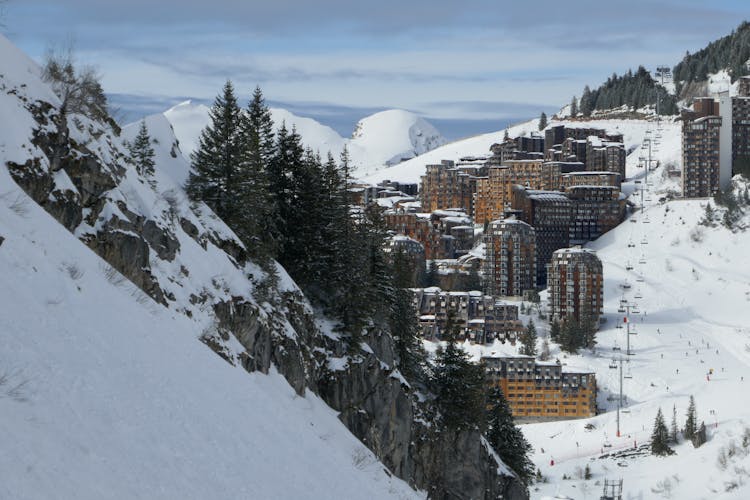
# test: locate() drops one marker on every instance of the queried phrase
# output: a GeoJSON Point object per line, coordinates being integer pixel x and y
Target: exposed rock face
{"type": "Point", "coordinates": [84, 188]}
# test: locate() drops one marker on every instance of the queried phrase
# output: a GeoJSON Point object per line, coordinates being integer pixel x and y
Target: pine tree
{"type": "Point", "coordinates": [660, 436]}
{"type": "Point", "coordinates": [528, 339]}
{"type": "Point", "coordinates": [403, 322]}
{"type": "Point", "coordinates": [259, 212]}
{"type": "Point", "coordinates": [458, 384]}
{"type": "Point", "coordinates": [574, 107]}
{"type": "Point", "coordinates": [506, 439]}
{"type": "Point", "coordinates": [215, 163]}
{"type": "Point", "coordinates": [542, 121]}
{"type": "Point", "coordinates": [587, 472]}
{"type": "Point", "coordinates": [691, 422]}
{"type": "Point", "coordinates": [142, 153]}
{"type": "Point", "coordinates": [586, 104]}
{"type": "Point", "coordinates": [555, 330]}
{"type": "Point", "coordinates": [673, 426]}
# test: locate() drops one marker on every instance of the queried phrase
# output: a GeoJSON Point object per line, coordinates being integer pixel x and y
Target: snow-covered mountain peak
{"type": "Point", "coordinates": [378, 140]}
{"type": "Point", "coordinates": [403, 132]}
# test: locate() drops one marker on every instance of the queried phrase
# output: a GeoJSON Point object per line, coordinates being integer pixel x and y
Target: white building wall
{"type": "Point", "coordinates": [725, 140]}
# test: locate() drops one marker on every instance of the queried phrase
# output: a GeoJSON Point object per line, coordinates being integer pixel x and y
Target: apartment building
{"type": "Point", "coordinates": [510, 258]}
{"type": "Point", "coordinates": [575, 282]}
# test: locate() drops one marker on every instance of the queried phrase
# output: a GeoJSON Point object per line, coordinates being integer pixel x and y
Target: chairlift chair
{"type": "Point", "coordinates": [640, 279]}
{"type": "Point", "coordinates": [644, 241]}
{"type": "Point", "coordinates": [638, 295]}
{"type": "Point", "coordinates": [646, 219]}
{"type": "Point", "coordinates": [613, 365]}
{"type": "Point", "coordinates": [628, 266]}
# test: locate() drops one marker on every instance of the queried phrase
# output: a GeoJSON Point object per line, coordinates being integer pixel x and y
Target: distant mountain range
{"type": "Point", "coordinates": [378, 141]}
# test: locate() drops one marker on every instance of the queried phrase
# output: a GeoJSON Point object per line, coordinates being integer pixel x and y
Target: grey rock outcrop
{"type": "Point", "coordinates": [276, 327]}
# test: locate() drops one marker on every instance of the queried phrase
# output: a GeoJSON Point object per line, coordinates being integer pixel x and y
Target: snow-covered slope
{"type": "Point", "coordinates": [106, 390]}
{"type": "Point", "coordinates": [169, 156]}
{"type": "Point", "coordinates": [693, 319]}
{"type": "Point", "coordinates": [633, 130]}
{"type": "Point", "coordinates": [109, 395]}
{"type": "Point", "coordinates": [378, 140]}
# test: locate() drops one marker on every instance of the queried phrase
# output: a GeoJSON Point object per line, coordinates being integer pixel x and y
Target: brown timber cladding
{"type": "Point", "coordinates": [536, 390]}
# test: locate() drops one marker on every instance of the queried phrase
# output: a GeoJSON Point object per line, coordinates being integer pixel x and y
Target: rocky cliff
{"type": "Point", "coordinates": [181, 256]}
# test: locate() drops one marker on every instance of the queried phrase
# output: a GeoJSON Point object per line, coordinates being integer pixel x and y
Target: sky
{"type": "Point", "coordinates": [468, 67]}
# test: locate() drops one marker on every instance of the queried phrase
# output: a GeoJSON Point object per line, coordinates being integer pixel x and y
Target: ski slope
{"type": "Point", "coordinates": [693, 317]}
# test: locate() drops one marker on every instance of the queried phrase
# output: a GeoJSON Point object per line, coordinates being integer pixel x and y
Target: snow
{"type": "Point", "coordinates": [378, 140]}
{"type": "Point", "coordinates": [633, 131]}
{"type": "Point", "coordinates": [106, 394]}
{"type": "Point", "coordinates": [695, 296]}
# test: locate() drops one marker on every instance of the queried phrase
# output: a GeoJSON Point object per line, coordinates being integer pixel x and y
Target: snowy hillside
{"type": "Point", "coordinates": [107, 395]}
{"type": "Point", "coordinates": [378, 140]}
{"type": "Point", "coordinates": [692, 290]}
{"type": "Point", "coordinates": [105, 390]}
{"type": "Point", "coordinates": [633, 130]}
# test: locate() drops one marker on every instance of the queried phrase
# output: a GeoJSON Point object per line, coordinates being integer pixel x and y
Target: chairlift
{"type": "Point", "coordinates": [640, 279]}
{"type": "Point", "coordinates": [627, 375]}
{"type": "Point", "coordinates": [620, 310]}
{"type": "Point", "coordinates": [619, 325]}
{"type": "Point", "coordinates": [635, 311]}
{"type": "Point", "coordinates": [631, 244]}
{"type": "Point", "coordinates": [633, 220]}
{"type": "Point", "coordinates": [648, 198]}
{"type": "Point", "coordinates": [646, 219]}
{"type": "Point", "coordinates": [642, 260]}
{"type": "Point", "coordinates": [638, 294]}
{"type": "Point", "coordinates": [613, 365]}
{"type": "Point", "coordinates": [626, 285]}
{"type": "Point", "coordinates": [628, 266]}
{"type": "Point", "coordinates": [644, 241]}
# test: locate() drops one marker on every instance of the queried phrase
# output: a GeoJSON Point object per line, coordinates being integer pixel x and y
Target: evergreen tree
{"type": "Point", "coordinates": [673, 426]}
{"type": "Point", "coordinates": [555, 330]}
{"type": "Point", "coordinates": [574, 107]}
{"type": "Point", "coordinates": [542, 121]}
{"type": "Point", "coordinates": [458, 384]}
{"type": "Point", "coordinates": [214, 176]}
{"type": "Point", "coordinates": [587, 472]}
{"type": "Point", "coordinates": [258, 209]}
{"type": "Point", "coordinates": [569, 338]}
{"type": "Point", "coordinates": [403, 319]}
{"type": "Point", "coordinates": [528, 339]}
{"type": "Point", "coordinates": [586, 329]}
{"type": "Point", "coordinates": [660, 436]}
{"type": "Point", "coordinates": [691, 421]}
{"type": "Point", "coordinates": [142, 153]}
{"type": "Point", "coordinates": [506, 439]}
{"type": "Point", "coordinates": [586, 104]}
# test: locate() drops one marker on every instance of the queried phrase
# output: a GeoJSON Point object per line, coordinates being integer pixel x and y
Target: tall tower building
{"type": "Point", "coordinates": [510, 258]}
{"type": "Point", "coordinates": [575, 282]}
{"type": "Point", "coordinates": [701, 152]}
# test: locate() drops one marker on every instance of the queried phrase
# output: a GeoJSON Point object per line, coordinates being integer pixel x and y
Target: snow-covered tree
{"type": "Point", "coordinates": [543, 121]}
{"type": "Point", "coordinates": [507, 439]}
{"type": "Point", "coordinates": [691, 421]}
{"type": "Point", "coordinates": [528, 339]}
{"type": "Point", "coordinates": [141, 151]}
{"type": "Point", "coordinates": [660, 436]}
{"type": "Point", "coordinates": [458, 384]}
{"type": "Point", "coordinates": [673, 426]}
{"type": "Point", "coordinates": [574, 107]}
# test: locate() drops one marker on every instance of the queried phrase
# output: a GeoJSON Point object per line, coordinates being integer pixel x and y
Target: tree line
{"type": "Point", "coordinates": [730, 52]}
{"type": "Point", "coordinates": [634, 90]}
